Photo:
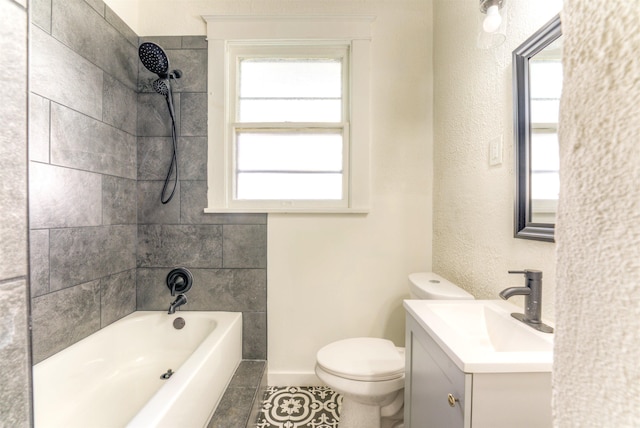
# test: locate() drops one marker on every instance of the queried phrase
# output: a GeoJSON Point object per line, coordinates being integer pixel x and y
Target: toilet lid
{"type": "Point", "coordinates": [362, 358]}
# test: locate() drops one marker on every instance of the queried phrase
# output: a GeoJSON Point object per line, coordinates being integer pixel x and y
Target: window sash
{"type": "Point", "coordinates": [239, 52]}
{"type": "Point", "coordinates": [341, 129]}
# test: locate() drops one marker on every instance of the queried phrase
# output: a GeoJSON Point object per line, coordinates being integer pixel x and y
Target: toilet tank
{"type": "Point", "coordinates": [429, 286]}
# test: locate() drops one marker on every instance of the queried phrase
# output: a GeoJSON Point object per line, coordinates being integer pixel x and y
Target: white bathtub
{"type": "Point", "coordinates": [112, 378]}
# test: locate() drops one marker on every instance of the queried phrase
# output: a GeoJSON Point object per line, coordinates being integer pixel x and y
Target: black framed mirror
{"type": "Point", "coordinates": [537, 83]}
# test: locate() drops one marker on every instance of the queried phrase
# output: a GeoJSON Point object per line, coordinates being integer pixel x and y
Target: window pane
{"type": "Point", "coordinates": [545, 152]}
{"type": "Point", "coordinates": [545, 185]}
{"type": "Point", "coordinates": [292, 186]}
{"type": "Point", "coordinates": [545, 79]}
{"type": "Point", "coordinates": [545, 111]}
{"type": "Point", "coordinates": [290, 78]}
{"type": "Point", "coordinates": [294, 110]}
{"type": "Point", "coordinates": [290, 90]}
{"type": "Point", "coordinates": [289, 152]}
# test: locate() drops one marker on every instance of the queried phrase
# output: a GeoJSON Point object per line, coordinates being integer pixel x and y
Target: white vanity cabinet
{"type": "Point", "coordinates": [439, 394]}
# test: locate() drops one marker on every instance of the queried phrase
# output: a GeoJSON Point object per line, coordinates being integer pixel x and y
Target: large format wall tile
{"type": "Point", "coordinates": [153, 115]}
{"type": "Point", "coordinates": [13, 152]}
{"type": "Point", "coordinates": [193, 197]}
{"type": "Point", "coordinates": [244, 246]}
{"type": "Point", "coordinates": [119, 105]}
{"type": "Point", "coordinates": [165, 42]}
{"type": "Point", "coordinates": [151, 209]}
{"type": "Point", "coordinates": [41, 14]}
{"type": "Point", "coordinates": [63, 197]}
{"type": "Point", "coordinates": [193, 114]}
{"type": "Point", "coordinates": [39, 113]}
{"type": "Point", "coordinates": [39, 262]}
{"type": "Point", "coordinates": [97, 5]}
{"type": "Point", "coordinates": [152, 293]}
{"type": "Point", "coordinates": [117, 296]}
{"type": "Point", "coordinates": [61, 75]}
{"type": "Point", "coordinates": [194, 42]}
{"type": "Point", "coordinates": [78, 26]}
{"type": "Point", "coordinates": [84, 204]}
{"type": "Point", "coordinates": [192, 158]}
{"type": "Point", "coordinates": [198, 246]}
{"type": "Point", "coordinates": [236, 290]}
{"type": "Point", "coordinates": [119, 205]}
{"type": "Point", "coordinates": [62, 318]}
{"type": "Point", "coordinates": [15, 408]}
{"type": "Point", "coordinates": [79, 255]}
{"type": "Point", "coordinates": [254, 335]}
{"type": "Point", "coordinates": [154, 156]}
{"type": "Point", "coordinates": [77, 141]}
{"type": "Point", "coordinates": [14, 349]}
{"type": "Point", "coordinates": [242, 290]}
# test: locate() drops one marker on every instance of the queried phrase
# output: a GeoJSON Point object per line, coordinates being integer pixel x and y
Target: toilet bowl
{"type": "Point", "coordinates": [369, 372]}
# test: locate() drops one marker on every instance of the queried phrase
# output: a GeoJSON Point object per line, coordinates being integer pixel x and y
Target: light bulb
{"type": "Point", "coordinates": [493, 20]}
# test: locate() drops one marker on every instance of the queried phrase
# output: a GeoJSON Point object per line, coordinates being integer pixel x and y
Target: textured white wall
{"type": "Point", "coordinates": [473, 202]}
{"type": "Point", "coordinates": [596, 378]}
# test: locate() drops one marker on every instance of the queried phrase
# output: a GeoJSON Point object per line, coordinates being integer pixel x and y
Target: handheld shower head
{"type": "Point", "coordinates": [160, 86]}
{"type": "Point", "coordinates": [154, 59]}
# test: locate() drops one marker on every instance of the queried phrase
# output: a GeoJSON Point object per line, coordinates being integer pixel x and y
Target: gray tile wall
{"type": "Point", "coordinates": [14, 335]}
{"type": "Point", "coordinates": [100, 144]}
{"type": "Point", "coordinates": [83, 169]}
{"type": "Point", "coordinates": [225, 253]}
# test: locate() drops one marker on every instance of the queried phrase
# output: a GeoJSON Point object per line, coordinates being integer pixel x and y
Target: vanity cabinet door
{"type": "Point", "coordinates": [435, 387]}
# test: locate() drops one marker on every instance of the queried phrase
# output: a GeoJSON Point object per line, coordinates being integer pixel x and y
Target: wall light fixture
{"type": "Point", "coordinates": [492, 25]}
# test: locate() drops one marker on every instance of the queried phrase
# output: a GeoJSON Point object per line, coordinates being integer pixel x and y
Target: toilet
{"type": "Point", "coordinates": [369, 372]}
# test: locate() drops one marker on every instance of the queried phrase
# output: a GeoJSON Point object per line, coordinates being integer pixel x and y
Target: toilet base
{"type": "Point", "coordinates": [356, 414]}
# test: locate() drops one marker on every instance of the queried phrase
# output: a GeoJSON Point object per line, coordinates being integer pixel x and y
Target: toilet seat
{"type": "Point", "coordinates": [362, 359]}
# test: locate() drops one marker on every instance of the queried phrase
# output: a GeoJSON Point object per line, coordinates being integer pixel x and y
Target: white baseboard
{"type": "Point", "coordinates": [293, 379]}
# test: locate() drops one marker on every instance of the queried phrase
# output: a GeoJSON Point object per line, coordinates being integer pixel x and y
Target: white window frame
{"type": "Point", "coordinates": [226, 35]}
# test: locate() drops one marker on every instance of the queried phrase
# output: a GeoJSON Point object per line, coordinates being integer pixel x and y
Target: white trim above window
{"type": "Point", "coordinates": [343, 39]}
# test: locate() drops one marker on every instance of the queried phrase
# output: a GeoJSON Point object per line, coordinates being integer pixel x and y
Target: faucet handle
{"type": "Point", "coordinates": [529, 274]}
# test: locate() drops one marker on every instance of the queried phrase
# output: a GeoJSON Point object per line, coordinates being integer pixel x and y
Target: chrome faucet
{"type": "Point", "coordinates": [180, 300]}
{"type": "Point", "coordinates": [532, 292]}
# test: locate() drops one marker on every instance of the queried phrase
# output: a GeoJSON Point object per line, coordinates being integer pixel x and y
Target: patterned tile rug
{"type": "Point", "coordinates": [299, 407]}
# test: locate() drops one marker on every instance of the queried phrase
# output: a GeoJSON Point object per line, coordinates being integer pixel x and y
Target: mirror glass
{"type": "Point", "coordinates": [537, 87]}
{"type": "Point", "coordinates": [545, 83]}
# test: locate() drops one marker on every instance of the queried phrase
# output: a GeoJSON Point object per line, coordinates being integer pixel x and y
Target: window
{"type": "Point", "coordinates": [291, 133]}
{"type": "Point", "coordinates": [546, 87]}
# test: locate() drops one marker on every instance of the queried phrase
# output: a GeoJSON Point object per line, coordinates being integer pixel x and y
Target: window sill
{"type": "Point", "coordinates": [286, 210]}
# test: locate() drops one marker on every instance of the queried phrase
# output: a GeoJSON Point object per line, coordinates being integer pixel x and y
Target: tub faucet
{"type": "Point", "coordinates": [180, 300]}
{"type": "Point", "coordinates": [532, 292]}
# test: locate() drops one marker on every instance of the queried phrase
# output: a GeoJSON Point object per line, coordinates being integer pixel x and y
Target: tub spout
{"type": "Point", "coordinates": [180, 300]}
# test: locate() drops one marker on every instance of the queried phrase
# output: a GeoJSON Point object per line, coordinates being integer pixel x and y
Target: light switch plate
{"type": "Point", "coordinates": [495, 151]}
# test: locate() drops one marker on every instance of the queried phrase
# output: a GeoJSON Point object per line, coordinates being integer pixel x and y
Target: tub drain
{"type": "Point", "coordinates": [167, 375]}
{"type": "Point", "coordinates": [178, 323]}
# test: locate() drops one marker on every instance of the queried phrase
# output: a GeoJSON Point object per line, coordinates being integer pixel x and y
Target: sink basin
{"type": "Point", "coordinates": [482, 336]}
